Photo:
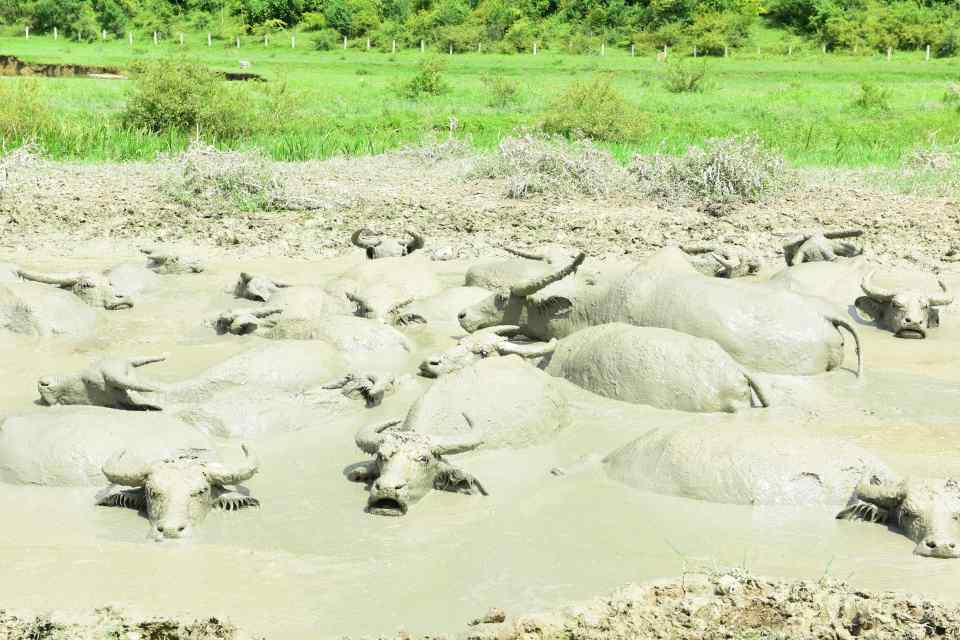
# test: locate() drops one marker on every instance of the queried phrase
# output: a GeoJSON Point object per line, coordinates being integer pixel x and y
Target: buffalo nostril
{"type": "Point", "coordinates": [931, 544]}
{"type": "Point", "coordinates": [435, 363]}
{"type": "Point", "coordinates": [180, 529]}
{"type": "Point", "coordinates": [160, 528]}
{"type": "Point", "coordinates": [462, 315]}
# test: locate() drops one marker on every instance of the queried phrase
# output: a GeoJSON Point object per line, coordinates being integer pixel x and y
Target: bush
{"type": "Point", "coordinates": [596, 110]}
{"type": "Point", "coordinates": [952, 95]}
{"type": "Point", "coordinates": [725, 171]}
{"type": "Point", "coordinates": [23, 110]}
{"type": "Point", "coordinates": [203, 178]}
{"type": "Point", "coordinates": [503, 92]}
{"type": "Point", "coordinates": [326, 40]}
{"type": "Point", "coordinates": [685, 77]}
{"type": "Point", "coordinates": [872, 98]}
{"type": "Point", "coordinates": [949, 45]}
{"type": "Point", "coordinates": [551, 164]}
{"type": "Point", "coordinates": [428, 80]}
{"type": "Point", "coordinates": [177, 95]}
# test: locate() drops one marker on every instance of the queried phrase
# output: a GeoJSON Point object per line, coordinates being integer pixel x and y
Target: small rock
{"type": "Point", "coordinates": [728, 586]}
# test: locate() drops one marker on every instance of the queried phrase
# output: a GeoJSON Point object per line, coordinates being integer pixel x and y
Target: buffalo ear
{"type": "Point", "coordinates": [458, 481]}
{"type": "Point", "coordinates": [933, 318]}
{"type": "Point", "coordinates": [558, 306]}
{"type": "Point", "coordinates": [864, 511]}
{"type": "Point", "coordinates": [869, 307]}
{"type": "Point", "coordinates": [126, 498]}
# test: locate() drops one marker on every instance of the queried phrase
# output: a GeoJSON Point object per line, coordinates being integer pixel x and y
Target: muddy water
{"type": "Point", "coordinates": [312, 562]}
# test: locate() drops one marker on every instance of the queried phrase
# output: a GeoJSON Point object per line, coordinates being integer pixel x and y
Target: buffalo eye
{"type": "Point", "coordinates": [423, 459]}
{"type": "Point", "coordinates": [200, 492]}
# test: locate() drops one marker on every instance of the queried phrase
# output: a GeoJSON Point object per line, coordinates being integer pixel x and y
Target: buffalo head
{"type": "Point", "coordinates": [925, 510]}
{"type": "Point", "coordinates": [257, 288]}
{"type": "Point", "coordinates": [376, 246]}
{"type": "Point", "coordinates": [109, 383]}
{"type": "Point", "coordinates": [489, 342]}
{"type": "Point", "coordinates": [514, 307]}
{"type": "Point", "coordinates": [93, 288]}
{"type": "Point", "coordinates": [904, 313]}
{"type": "Point", "coordinates": [177, 492]}
{"type": "Point", "coordinates": [408, 465]}
{"type": "Point", "coordinates": [241, 322]}
{"type": "Point", "coordinates": [819, 247]}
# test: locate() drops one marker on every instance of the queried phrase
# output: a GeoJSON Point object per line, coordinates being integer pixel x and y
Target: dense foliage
{"type": "Point", "coordinates": [502, 25]}
{"type": "Point", "coordinates": [712, 26]}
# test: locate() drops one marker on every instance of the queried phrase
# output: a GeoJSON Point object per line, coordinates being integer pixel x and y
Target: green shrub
{"type": "Point", "coordinates": [23, 110]}
{"type": "Point", "coordinates": [428, 80]}
{"type": "Point", "coordinates": [723, 171]}
{"type": "Point", "coordinates": [594, 109]}
{"type": "Point", "coordinates": [949, 44]}
{"type": "Point", "coordinates": [503, 92]}
{"type": "Point", "coordinates": [326, 40]}
{"type": "Point", "coordinates": [952, 95]}
{"type": "Point", "coordinates": [872, 98]}
{"type": "Point", "coordinates": [179, 95]}
{"type": "Point", "coordinates": [681, 76]}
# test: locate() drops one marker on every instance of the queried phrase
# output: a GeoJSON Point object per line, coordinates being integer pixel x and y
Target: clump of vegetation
{"type": "Point", "coordinates": [724, 171]}
{"type": "Point", "coordinates": [502, 92]}
{"type": "Point", "coordinates": [204, 178]}
{"type": "Point", "coordinates": [23, 110]}
{"type": "Point", "coordinates": [180, 95]}
{"type": "Point", "coordinates": [26, 155]}
{"type": "Point", "coordinates": [680, 76]}
{"type": "Point", "coordinates": [326, 40]}
{"type": "Point", "coordinates": [932, 158]}
{"type": "Point", "coordinates": [428, 81]}
{"type": "Point", "coordinates": [594, 109]}
{"type": "Point", "coordinates": [872, 98]}
{"type": "Point", "coordinates": [952, 95]}
{"type": "Point", "coordinates": [534, 164]}
{"type": "Point", "coordinates": [433, 151]}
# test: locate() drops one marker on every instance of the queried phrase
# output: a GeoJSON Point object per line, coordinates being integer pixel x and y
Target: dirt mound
{"type": "Point", "coordinates": [733, 605]}
{"type": "Point", "coordinates": [109, 623]}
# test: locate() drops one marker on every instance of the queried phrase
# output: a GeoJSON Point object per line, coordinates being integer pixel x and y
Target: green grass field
{"type": "Point", "coordinates": [802, 105]}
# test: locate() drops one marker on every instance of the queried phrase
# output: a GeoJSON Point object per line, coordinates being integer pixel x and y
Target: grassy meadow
{"type": "Point", "coordinates": [346, 102]}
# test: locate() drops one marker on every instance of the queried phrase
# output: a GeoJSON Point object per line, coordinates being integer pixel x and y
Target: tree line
{"type": "Point", "coordinates": [512, 26]}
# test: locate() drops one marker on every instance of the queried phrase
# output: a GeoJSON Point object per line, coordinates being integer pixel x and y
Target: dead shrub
{"type": "Point", "coordinates": [204, 177]}
{"type": "Point", "coordinates": [724, 171]}
{"type": "Point", "coordinates": [551, 164]}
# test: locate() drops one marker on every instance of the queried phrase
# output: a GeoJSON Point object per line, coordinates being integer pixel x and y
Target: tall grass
{"type": "Point", "coordinates": [320, 104]}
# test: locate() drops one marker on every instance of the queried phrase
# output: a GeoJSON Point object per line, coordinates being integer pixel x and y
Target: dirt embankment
{"type": "Point", "coordinates": [732, 605]}
{"type": "Point", "coordinates": [45, 204]}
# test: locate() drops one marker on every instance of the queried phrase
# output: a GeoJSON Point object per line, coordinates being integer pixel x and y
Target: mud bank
{"type": "Point", "coordinates": [14, 66]}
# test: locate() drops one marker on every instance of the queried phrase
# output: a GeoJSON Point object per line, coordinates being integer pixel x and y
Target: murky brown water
{"type": "Point", "coordinates": [312, 562]}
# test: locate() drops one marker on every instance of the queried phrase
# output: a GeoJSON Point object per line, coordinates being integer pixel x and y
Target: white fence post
{"type": "Point", "coordinates": [293, 41]}
{"type": "Point", "coordinates": [209, 39]}
{"type": "Point", "coordinates": [889, 53]}
{"type": "Point", "coordinates": [393, 48]}
{"type": "Point", "coordinates": [928, 53]}
{"type": "Point", "coordinates": [27, 31]}
{"type": "Point", "coordinates": [56, 34]}
{"type": "Point", "coordinates": [726, 51]}
{"type": "Point", "coordinates": [130, 38]}
{"type": "Point", "coordinates": [633, 50]}
{"type": "Point", "coordinates": [238, 42]}
{"type": "Point", "coordinates": [423, 46]}
{"type": "Point", "coordinates": [344, 43]}
{"type": "Point", "coordinates": [181, 39]}
{"type": "Point", "coordinates": [155, 38]}
{"type": "Point", "coordinates": [479, 47]}
{"type": "Point", "coordinates": [603, 48]}
{"type": "Point", "coordinates": [368, 44]}
{"type": "Point", "coordinates": [103, 34]}
{"type": "Point", "coordinates": [694, 52]}
{"type": "Point", "coordinates": [824, 48]}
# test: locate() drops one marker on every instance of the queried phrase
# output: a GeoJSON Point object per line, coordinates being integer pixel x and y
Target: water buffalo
{"type": "Point", "coordinates": [926, 510]}
{"type": "Point", "coordinates": [376, 246]}
{"type": "Point", "coordinates": [741, 465]}
{"type": "Point", "coordinates": [177, 492]}
{"type": "Point", "coordinates": [95, 289]}
{"type": "Point", "coordinates": [763, 328]}
{"type": "Point", "coordinates": [169, 262]}
{"type": "Point", "coordinates": [377, 288]}
{"type": "Point", "coordinates": [486, 343]}
{"type": "Point", "coordinates": [816, 247]}
{"type": "Point", "coordinates": [108, 383]}
{"type": "Point", "coordinates": [657, 367]}
{"type": "Point", "coordinates": [408, 465]}
{"type": "Point", "coordinates": [902, 312]}
{"type": "Point", "coordinates": [257, 288]}
{"type": "Point", "coordinates": [721, 261]}
{"type": "Point", "coordinates": [40, 310]}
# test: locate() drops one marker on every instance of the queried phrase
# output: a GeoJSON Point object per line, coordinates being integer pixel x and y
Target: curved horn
{"type": "Point", "coordinates": [874, 292]}
{"type": "Point", "coordinates": [416, 240]}
{"type": "Point", "coordinates": [525, 289]}
{"type": "Point", "coordinates": [59, 279]}
{"type": "Point", "coordinates": [698, 249]}
{"type": "Point", "coordinates": [234, 474]}
{"type": "Point", "coordinates": [370, 437]}
{"type": "Point", "coordinates": [528, 351]}
{"type": "Point", "coordinates": [143, 361]}
{"type": "Point", "coordinates": [122, 470]}
{"type": "Point", "coordinates": [529, 255]}
{"type": "Point", "coordinates": [883, 494]}
{"type": "Point", "coordinates": [358, 240]}
{"type": "Point", "coordinates": [505, 330]}
{"type": "Point", "coordinates": [116, 374]}
{"type": "Point", "coordinates": [400, 305]}
{"type": "Point", "coordinates": [844, 233]}
{"type": "Point", "coordinates": [729, 265]}
{"type": "Point", "coordinates": [245, 277]}
{"type": "Point", "coordinates": [265, 312]}
{"type": "Point", "coordinates": [945, 300]}
{"type": "Point", "coordinates": [460, 443]}
{"type": "Point", "coordinates": [363, 305]}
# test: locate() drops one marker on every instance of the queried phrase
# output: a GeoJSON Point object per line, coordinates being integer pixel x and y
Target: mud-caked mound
{"type": "Point", "coordinates": [733, 605]}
